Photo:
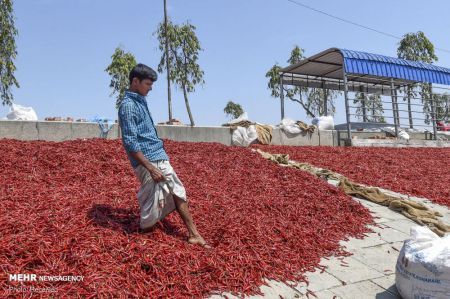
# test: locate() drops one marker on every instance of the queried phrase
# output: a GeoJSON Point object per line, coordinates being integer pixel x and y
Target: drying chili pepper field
{"type": "Point", "coordinates": [70, 208]}
{"type": "Point", "coordinates": [422, 172]}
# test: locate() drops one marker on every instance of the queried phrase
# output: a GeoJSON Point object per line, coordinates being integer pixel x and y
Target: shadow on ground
{"type": "Point", "coordinates": [390, 293]}
{"type": "Point", "coordinates": [127, 221]}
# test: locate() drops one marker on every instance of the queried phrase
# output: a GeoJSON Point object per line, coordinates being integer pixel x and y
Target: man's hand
{"type": "Point", "coordinates": [156, 174]}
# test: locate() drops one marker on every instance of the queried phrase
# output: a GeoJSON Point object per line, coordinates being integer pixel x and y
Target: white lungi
{"type": "Point", "coordinates": [155, 199]}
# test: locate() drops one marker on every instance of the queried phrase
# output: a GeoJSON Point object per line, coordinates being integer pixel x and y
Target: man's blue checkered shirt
{"type": "Point", "coordinates": [138, 131]}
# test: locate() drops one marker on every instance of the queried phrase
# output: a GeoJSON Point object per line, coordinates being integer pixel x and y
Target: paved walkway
{"type": "Point", "coordinates": [369, 272]}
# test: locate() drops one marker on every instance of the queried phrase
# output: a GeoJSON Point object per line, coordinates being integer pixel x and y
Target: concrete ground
{"type": "Point", "coordinates": [368, 273]}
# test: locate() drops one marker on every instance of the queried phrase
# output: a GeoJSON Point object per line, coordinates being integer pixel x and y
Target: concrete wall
{"type": "Point", "coordinates": [195, 134]}
{"type": "Point", "coordinates": [400, 143]}
{"type": "Point", "coordinates": [224, 135]}
{"type": "Point", "coordinates": [366, 135]}
{"type": "Point", "coordinates": [60, 131]}
{"type": "Point", "coordinates": [52, 130]}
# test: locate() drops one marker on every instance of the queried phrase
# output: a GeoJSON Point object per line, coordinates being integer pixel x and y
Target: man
{"type": "Point", "coordinates": [161, 191]}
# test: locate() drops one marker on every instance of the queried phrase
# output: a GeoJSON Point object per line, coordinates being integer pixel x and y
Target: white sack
{"type": "Point", "coordinates": [423, 266]}
{"type": "Point", "coordinates": [323, 122]}
{"type": "Point", "coordinates": [402, 134]}
{"type": "Point", "coordinates": [19, 112]}
{"type": "Point", "coordinates": [244, 136]}
{"type": "Point", "coordinates": [288, 125]}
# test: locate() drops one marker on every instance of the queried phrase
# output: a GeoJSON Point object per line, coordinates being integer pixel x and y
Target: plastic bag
{"type": "Point", "coordinates": [289, 125]}
{"type": "Point", "coordinates": [402, 134]}
{"type": "Point", "coordinates": [19, 112]}
{"type": "Point", "coordinates": [323, 122]}
{"type": "Point", "coordinates": [423, 266]}
{"type": "Point", "coordinates": [244, 136]}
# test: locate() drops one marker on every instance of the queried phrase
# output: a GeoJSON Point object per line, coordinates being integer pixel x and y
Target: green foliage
{"type": "Point", "coordinates": [184, 48]}
{"type": "Point", "coordinates": [417, 47]}
{"type": "Point", "coordinates": [121, 65]}
{"type": "Point", "coordinates": [370, 107]}
{"type": "Point", "coordinates": [442, 107]}
{"type": "Point", "coordinates": [316, 100]}
{"type": "Point", "coordinates": [425, 94]}
{"type": "Point", "coordinates": [233, 110]}
{"type": "Point", "coordinates": [296, 55]}
{"type": "Point", "coordinates": [274, 80]}
{"type": "Point", "coordinates": [311, 99]}
{"type": "Point", "coordinates": [8, 51]}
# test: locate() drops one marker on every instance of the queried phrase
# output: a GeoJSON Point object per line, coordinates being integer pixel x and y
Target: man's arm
{"type": "Point", "coordinates": [155, 173]}
{"type": "Point", "coordinates": [129, 134]}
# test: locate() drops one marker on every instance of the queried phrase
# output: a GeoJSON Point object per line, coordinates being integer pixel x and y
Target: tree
{"type": "Point", "coordinates": [370, 107]}
{"type": "Point", "coordinates": [417, 47]}
{"type": "Point", "coordinates": [233, 110]}
{"type": "Point", "coordinates": [321, 101]}
{"type": "Point", "coordinates": [313, 100]}
{"type": "Point", "coordinates": [294, 93]}
{"type": "Point", "coordinates": [184, 48]}
{"type": "Point", "coordinates": [121, 65]}
{"type": "Point", "coordinates": [442, 104]}
{"type": "Point", "coordinates": [361, 102]}
{"type": "Point", "coordinates": [8, 51]}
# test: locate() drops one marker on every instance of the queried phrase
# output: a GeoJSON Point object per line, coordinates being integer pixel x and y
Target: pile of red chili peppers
{"type": "Point", "coordinates": [422, 172]}
{"type": "Point", "coordinates": [70, 208]}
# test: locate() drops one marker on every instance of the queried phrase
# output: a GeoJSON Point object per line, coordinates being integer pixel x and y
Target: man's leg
{"type": "Point", "coordinates": [183, 210]}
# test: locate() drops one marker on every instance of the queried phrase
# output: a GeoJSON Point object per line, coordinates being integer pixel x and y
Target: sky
{"type": "Point", "coordinates": [65, 46]}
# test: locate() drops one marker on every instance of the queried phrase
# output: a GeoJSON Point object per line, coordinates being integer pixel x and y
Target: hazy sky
{"type": "Point", "coordinates": [65, 46]}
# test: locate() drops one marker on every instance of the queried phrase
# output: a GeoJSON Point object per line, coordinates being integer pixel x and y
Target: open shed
{"type": "Point", "coordinates": [354, 71]}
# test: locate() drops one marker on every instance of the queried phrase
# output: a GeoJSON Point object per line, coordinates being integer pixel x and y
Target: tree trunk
{"type": "Point", "coordinates": [374, 118]}
{"type": "Point", "coordinates": [307, 110]}
{"type": "Point", "coordinates": [409, 109]}
{"type": "Point", "coordinates": [188, 108]}
{"type": "Point", "coordinates": [325, 102]}
{"type": "Point", "coordinates": [169, 95]}
{"type": "Point", "coordinates": [363, 107]}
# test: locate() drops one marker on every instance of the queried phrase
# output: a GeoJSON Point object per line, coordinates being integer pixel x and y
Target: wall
{"type": "Point", "coordinates": [60, 131]}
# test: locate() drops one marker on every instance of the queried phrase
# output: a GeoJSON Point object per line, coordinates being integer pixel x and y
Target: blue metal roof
{"type": "Point", "coordinates": [383, 66]}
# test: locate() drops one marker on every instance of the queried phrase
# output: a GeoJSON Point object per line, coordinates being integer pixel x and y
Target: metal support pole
{"type": "Point", "coordinates": [325, 100]}
{"type": "Point", "coordinates": [433, 113]}
{"type": "Point", "coordinates": [397, 110]}
{"type": "Point", "coordinates": [347, 110]}
{"type": "Point", "coordinates": [394, 106]}
{"type": "Point", "coordinates": [282, 96]}
{"type": "Point", "coordinates": [119, 130]}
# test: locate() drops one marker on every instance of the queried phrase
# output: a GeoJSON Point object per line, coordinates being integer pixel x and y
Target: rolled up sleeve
{"type": "Point", "coordinates": [127, 118]}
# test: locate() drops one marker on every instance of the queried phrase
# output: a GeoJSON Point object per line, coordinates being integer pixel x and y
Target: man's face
{"type": "Point", "coordinates": [142, 86]}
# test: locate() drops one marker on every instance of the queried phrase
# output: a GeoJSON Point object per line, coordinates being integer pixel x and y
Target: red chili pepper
{"type": "Point", "coordinates": [70, 208]}
{"type": "Point", "coordinates": [396, 169]}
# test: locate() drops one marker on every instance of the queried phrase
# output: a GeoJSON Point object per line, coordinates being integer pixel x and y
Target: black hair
{"type": "Point", "coordinates": [141, 71]}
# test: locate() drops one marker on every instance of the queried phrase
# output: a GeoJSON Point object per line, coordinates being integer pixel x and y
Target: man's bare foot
{"type": "Point", "coordinates": [198, 240]}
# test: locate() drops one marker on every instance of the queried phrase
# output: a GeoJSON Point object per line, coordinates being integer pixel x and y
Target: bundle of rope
{"type": "Point", "coordinates": [415, 211]}
{"type": "Point", "coordinates": [305, 128]}
{"type": "Point", "coordinates": [242, 123]}
{"type": "Point", "coordinates": [264, 133]}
